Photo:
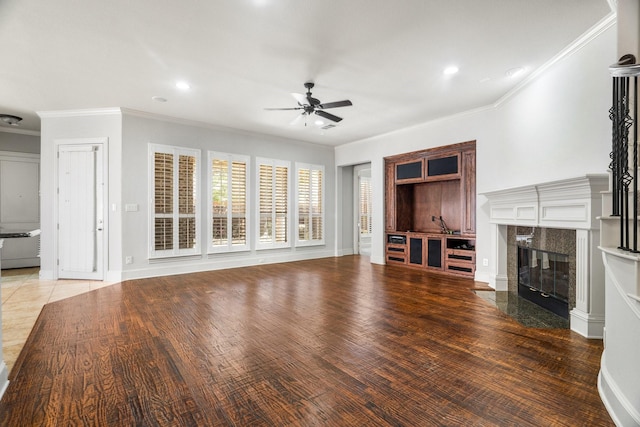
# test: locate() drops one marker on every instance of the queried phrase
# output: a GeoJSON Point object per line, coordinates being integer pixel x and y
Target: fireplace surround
{"type": "Point", "coordinates": [545, 269]}
{"type": "Point", "coordinates": [572, 205]}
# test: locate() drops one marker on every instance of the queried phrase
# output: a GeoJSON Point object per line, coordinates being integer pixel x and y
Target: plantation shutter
{"type": "Point", "coordinates": [228, 204]}
{"type": "Point", "coordinates": [310, 204]}
{"type": "Point", "coordinates": [175, 222]}
{"type": "Point", "coordinates": [273, 203]}
{"type": "Point", "coordinates": [365, 205]}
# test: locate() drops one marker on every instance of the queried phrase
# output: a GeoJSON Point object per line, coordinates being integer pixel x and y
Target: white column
{"type": "Point", "coordinates": [587, 318]}
{"type": "Point", "coordinates": [500, 252]}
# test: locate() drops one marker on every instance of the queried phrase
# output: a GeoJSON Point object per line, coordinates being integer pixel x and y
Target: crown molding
{"type": "Point", "coordinates": [595, 31]}
{"type": "Point", "coordinates": [80, 113]}
{"type": "Point", "coordinates": [20, 131]}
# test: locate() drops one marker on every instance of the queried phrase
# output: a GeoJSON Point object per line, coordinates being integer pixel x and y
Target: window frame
{"type": "Point", "coordinates": [229, 247]}
{"type": "Point", "coordinates": [322, 215]}
{"type": "Point", "coordinates": [274, 163]}
{"type": "Point", "coordinates": [176, 152]}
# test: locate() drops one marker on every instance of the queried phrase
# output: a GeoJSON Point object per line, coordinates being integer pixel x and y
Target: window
{"type": "Point", "coordinates": [174, 222]}
{"type": "Point", "coordinates": [273, 203]}
{"type": "Point", "coordinates": [365, 205]}
{"type": "Point", "coordinates": [310, 204]}
{"type": "Point", "coordinates": [228, 184]}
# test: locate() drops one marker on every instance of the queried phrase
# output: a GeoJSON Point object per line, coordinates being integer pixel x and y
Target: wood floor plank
{"type": "Point", "coordinates": [336, 341]}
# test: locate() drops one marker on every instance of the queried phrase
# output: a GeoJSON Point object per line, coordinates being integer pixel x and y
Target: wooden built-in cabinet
{"type": "Point", "coordinates": [420, 188]}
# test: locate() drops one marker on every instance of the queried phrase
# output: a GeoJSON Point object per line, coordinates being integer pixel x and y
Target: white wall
{"type": "Point", "coordinates": [554, 127]}
{"type": "Point", "coordinates": [19, 142]}
{"type": "Point", "coordinates": [104, 123]}
{"type": "Point", "coordinates": [139, 130]}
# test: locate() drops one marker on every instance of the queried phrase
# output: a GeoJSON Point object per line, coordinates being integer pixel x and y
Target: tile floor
{"type": "Point", "coordinates": [523, 311]}
{"type": "Point", "coordinates": [23, 296]}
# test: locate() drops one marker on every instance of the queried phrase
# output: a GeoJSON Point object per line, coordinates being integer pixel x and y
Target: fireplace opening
{"type": "Point", "coordinates": [543, 278]}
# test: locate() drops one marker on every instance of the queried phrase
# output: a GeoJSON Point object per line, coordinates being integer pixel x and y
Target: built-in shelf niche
{"type": "Point", "coordinates": [417, 204]}
{"type": "Point", "coordinates": [421, 187]}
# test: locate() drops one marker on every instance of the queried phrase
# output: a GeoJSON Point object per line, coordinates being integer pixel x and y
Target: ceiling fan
{"type": "Point", "coordinates": [310, 105]}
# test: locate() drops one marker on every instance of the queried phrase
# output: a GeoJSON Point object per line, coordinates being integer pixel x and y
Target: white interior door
{"type": "Point", "coordinates": [80, 211]}
{"type": "Point", "coordinates": [363, 209]}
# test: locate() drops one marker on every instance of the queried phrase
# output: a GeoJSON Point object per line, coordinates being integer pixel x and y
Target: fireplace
{"type": "Point", "coordinates": [543, 278]}
{"type": "Point", "coordinates": [527, 216]}
{"type": "Point", "coordinates": [541, 266]}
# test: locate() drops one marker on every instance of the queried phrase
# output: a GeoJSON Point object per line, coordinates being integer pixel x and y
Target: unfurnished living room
{"type": "Point", "coordinates": [329, 213]}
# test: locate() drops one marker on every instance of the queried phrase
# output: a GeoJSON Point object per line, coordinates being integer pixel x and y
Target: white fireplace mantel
{"type": "Point", "coordinates": [570, 203]}
{"type": "Point", "coordinates": [574, 204]}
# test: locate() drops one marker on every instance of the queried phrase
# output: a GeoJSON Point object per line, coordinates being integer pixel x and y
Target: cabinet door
{"type": "Point", "coordinates": [416, 251]}
{"type": "Point", "coordinates": [390, 197]}
{"type": "Point", "coordinates": [468, 192]}
{"type": "Point", "coordinates": [434, 252]}
{"type": "Point", "coordinates": [407, 172]}
{"type": "Point", "coordinates": [20, 208]}
{"type": "Point", "coordinates": [443, 167]}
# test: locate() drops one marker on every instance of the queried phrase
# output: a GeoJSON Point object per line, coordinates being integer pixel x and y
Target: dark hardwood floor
{"type": "Point", "coordinates": [331, 342]}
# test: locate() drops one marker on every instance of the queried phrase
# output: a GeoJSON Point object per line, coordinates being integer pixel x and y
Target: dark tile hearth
{"type": "Point", "coordinates": [523, 311]}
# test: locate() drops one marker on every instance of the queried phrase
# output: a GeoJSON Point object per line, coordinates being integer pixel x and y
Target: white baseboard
{"type": "Point", "coordinates": [178, 266]}
{"type": "Point", "coordinates": [46, 275]}
{"type": "Point", "coordinates": [344, 252]}
{"type": "Point", "coordinates": [499, 282]}
{"type": "Point", "coordinates": [483, 276]}
{"type": "Point", "coordinates": [622, 412]}
{"type": "Point", "coordinates": [587, 325]}
{"type": "Point", "coordinates": [378, 260]}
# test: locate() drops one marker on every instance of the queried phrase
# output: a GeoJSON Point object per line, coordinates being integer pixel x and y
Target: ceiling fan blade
{"type": "Point", "coordinates": [302, 100]}
{"type": "Point", "coordinates": [328, 116]}
{"type": "Point", "coordinates": [336, 104]}
{"type": "Point", "coordinates": [293, 108]}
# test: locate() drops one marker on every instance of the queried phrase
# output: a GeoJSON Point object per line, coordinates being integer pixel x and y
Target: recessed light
{"type": "Point", "coordinates": [182, 85]}
{"type": "Point", "coordinates": [451, 70]}
{"type": "Point", "coordinates": [159, 99]}
{"type": "Point", "coordinates": [514, 72]}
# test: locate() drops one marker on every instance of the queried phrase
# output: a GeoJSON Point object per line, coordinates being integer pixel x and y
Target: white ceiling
{"type": "Point", "coordinates": [241, 56]}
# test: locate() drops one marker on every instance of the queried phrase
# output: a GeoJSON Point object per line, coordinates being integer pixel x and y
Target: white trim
{"type": "Point", "coordinates": [14, 155]}
{"type": "Point", "coordinates": [223, 261]}
{"type": "Point", "coordinates": [586, 38]}
{"type": "Point", "coordinates": [622, 412]}
{"type": "Point", "coordinates": [80, 112]}
{"type": "Point", "coordinates": [104, 143]}
{"type": "Point", "coordinates": [20, 131]}
{"type": "Point", "coordinates": [176, 152]}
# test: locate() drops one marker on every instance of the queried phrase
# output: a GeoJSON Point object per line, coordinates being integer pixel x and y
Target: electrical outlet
{"type": "Point", "coordinates": [128, 260]}
{"type": "Point", "coordinates": [485, 262]}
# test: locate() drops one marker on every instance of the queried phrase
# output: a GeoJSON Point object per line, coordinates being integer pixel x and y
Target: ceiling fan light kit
{"type": "Point", "coordinates": [10, 119]}
{"type": "Point", "coordinates": [310, 105]}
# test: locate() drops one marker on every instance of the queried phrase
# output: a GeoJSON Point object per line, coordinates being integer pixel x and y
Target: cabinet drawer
{"type": "Point", "coordinates": [396, 254]}
{"type": "Point", "coordinates": [396, 258]}
{"type": "Point", "coordinates": [463, 268]}
{"type": "Point", "coordinates": [460, 255]}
